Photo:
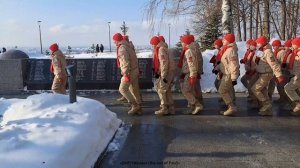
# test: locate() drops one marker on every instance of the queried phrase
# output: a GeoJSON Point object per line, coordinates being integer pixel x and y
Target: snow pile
{"type": "Point", "coordinates": [47, 131]}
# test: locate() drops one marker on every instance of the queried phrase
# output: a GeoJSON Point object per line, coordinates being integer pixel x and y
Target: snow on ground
{"type": "Point", "coordinates": [83, 55]}
{"type": "Point", "coordinates": [45, 130]}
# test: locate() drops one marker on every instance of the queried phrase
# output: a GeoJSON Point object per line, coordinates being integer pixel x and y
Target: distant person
{"type": "Point", "coordinates": [101, 48]}
{"type": "Point", "coordinates": [3, 49]}
{"type": "Point", "coordinates": [97, 48]}
{"type": "Point", "coordinates": [57, 67]}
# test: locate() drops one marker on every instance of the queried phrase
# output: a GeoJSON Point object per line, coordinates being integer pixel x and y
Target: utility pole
{"type": "Point", "coordinates": [169, 35]}
{"type": "Point", "coordinates": [109, 39]}
{"type": "Point", "coordinates": [39, 23]}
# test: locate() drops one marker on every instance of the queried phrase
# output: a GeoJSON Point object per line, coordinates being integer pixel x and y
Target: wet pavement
{"type": "Point", "coordinates": [205, 140]}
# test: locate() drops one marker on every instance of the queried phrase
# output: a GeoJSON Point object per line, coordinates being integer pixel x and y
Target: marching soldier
{"type": "Point", "coordinates": [247, 60]}
{"type": "Point", "coordinates": [294, 68]}
{"type": "Point", "coordinates": [266, 66]}
{"type": "Point", "coordinates": [198, 90]}
{"type": "Point", "coordinates": [58, 66]}
{"type": "Point", "coordinates": [249, 64]}
{"type": "Point", "coordinates": [129, 71]}
{"type": "Point", "coordinates": [164, 68]}
{"type": "Point", "coordinates": [228, 65]}
{"type": "Point", "coordinates": [217, 45]}
{"type": "Point", "coordinates": [134, 88]}
{"type": "Point", "coordinates": [279, 52]}
{"type": "Point", "coordinates": [188, 63]}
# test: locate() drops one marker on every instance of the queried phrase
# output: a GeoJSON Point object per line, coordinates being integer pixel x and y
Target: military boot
{"type": "Point", "coordinates": [162, 111]}
{"type": "Point", "coordinates": [295, 113]}
{"type": "Point", "coordinates": [122, 99]}
{"type": "Point", "coordinates": [297, 107]}
{"type": "Point", "coordinates": [201, 100]}
{"type": "Point", "coordinates": [266, 113]}
{"type": "Point", "coordinates": [198, 108]}
{"type": "Point", "coordinates": [135, 109]}
{"type": "Point", "coordinates": [171, 110]}
{"type": "Point", "coordinates": [231, 110]}
{"type": "Point", "coordinates": [266, 105]}
{"type": "Point", "coordinates": [190, 110]}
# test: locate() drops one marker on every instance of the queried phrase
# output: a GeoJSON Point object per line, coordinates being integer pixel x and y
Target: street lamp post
{"type": "Point", "coordinates": [109, 36]}
{"type": "Point", "coordinates": [39, 23]}
{"type": "Point", "coordinates": [169, 35]}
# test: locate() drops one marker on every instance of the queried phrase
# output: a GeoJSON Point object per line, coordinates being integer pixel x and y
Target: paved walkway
{"type": "Point", "coordinates": [205, 140]}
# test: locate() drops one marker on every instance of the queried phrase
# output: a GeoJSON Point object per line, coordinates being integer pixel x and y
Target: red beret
{"type": "Point", "coordinates": [118, 37]}
{"type": "Point", "coordinates": [276, 43]}
{"type": "Point", "coordinates": [126, 38]}
{"type": "Point", "coordinates": [162, 38]}
{"type": "Point", "coordinates": [262, 40]}
{"type": "Point", "coordinates": [296, 41]}
{"type": "Point", "coordinates": [249, 41]}
{"type": "Point", "coordinates": [187, 39]}
{"type": "Point", "coordinates": [252, 43]}
{"type": "Point", "coordinates": [154, 40]}
{"type": "Point", "coordinates": [288, 43]}
{"type": "Point", "coordinates": [230, 38]}
{"type": "Point", "coordinates": [218, 42]}
{"type": "Point", "coordinates": [192, 37]}
{"type": "Point", "coordinates": [53, 47]}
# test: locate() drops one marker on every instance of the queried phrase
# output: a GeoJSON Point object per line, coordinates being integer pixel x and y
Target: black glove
{"type": "Point", "coordinates": [156, 76]}
{"type": "Point", "coordinates": [165, 80]}
{"type": "Point", "coordinates": [215, 71]}
{"type": "Point", "coordinates": [242, 61]}
{"type": "Point", "coordinates": [283, 65]}
{"type": "Point", "coordinates": [257, 59]}
{"type": "Point", "coordinates": [234, 83]}
{"type": "Point", "coordinates": [219, 62]}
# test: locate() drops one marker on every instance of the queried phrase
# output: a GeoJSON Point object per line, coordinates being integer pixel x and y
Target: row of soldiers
{"type": "Point", "coordinates": [262, 73]}
{"type": "Point", "coordinates": [164, 68]}
{"type": "Point", "coordinates": [278, 67]}
{"type": "Point", "coordinates": [263, 70]}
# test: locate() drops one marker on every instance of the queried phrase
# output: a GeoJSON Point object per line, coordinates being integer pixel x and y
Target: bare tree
{"type": "Point", "coordinates": [227, 23]}
{"type": "Point", "coordinates": [257, 18]}
{"type": "Point", "coordinates": [266, 24]}
{"type": "Point", "coordinates": [251, 19]}
{"type": "Point", "coordinates": [236, 14]}
{"type": "Point", "coordinates": [246, 18]}
{"type": "Point", "coordinates": [283, 16]}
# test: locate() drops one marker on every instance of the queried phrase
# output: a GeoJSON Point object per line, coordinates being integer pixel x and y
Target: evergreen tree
{"type": "Point", "coordinates": [212, 32]}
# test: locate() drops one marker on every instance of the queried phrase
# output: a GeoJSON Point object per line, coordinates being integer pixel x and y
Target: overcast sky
{"type": "Point", "coordinates": [77, 22]}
